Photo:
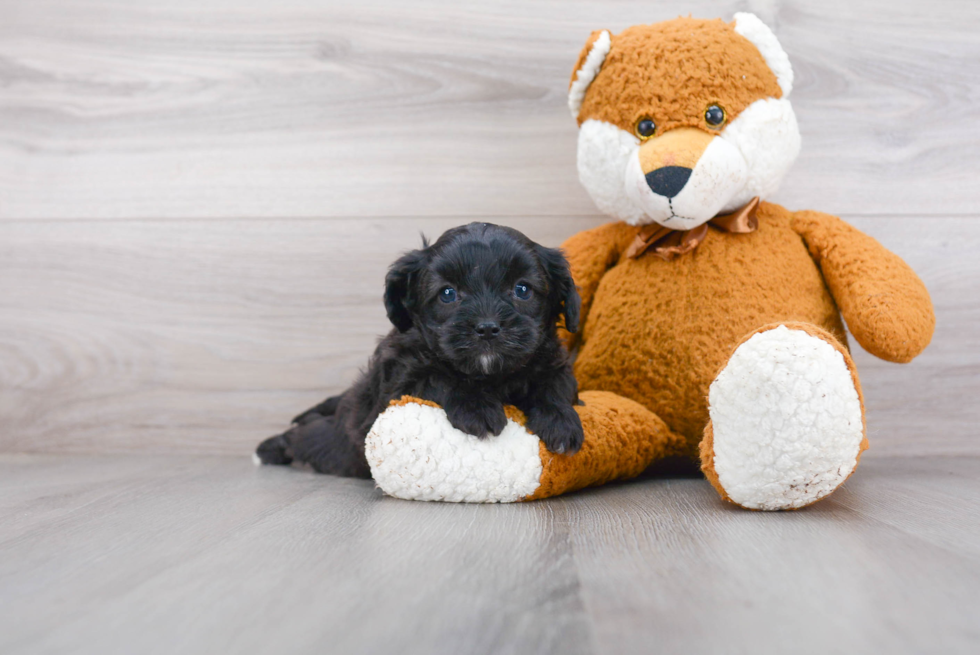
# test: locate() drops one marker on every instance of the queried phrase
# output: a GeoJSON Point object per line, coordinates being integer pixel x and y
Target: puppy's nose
{"type": "Point", "coordinates": [668, 181]}
{"type": "Point", "coordinates": [487, 330]}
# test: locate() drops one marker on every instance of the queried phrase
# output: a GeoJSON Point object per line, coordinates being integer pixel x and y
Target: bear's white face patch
{"type": "Point", "coordinates": [719, 174]}
{"type": "Point", "coordinates": [767, 136]}
{"type": "Point", "coordinates": [748, 158]}
{"type": "Point", "coordinates": [604, 153]}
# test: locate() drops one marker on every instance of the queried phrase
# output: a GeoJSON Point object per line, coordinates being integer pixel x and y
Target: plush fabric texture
{"type": "Point", "coordinates": [415, 454]}
{"type": "Point", "coordinates": [658, 331]}
{"type": "Point", "coordinates": [756, 149]}
{"type": "Point", "coordinates": [586, 68]}
{"type": "Point", "coordinates": [718, 174]}
{"type": "Point", "coordinates": [604, 154]}
{"type": "Point", "coordinates": [671, 73]}
{"type": "Point", "coordinates": [658, 71]}
{"type": "Point", "coordinates": [787, 419]}
{"type": "Point", "coordinates": [768, 137]}
{"type": "Point", "coordinates": [753, 29]}
{"type": "Point", "coordinates": [681, 147]}
{"type": "Point", "coordinates": [622, 439]}
{"type": "Point", "coordinates": [885, 304]}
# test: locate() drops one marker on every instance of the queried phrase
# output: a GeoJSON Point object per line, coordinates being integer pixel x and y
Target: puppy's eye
{"type": "Point", "coordinates": [645, 127]}
{"type": "Point", "coordinates": [522, 291]}
{"type": "Point", "coordinates": [714, 115]}
{"type": "Point", "coordinates": [447, 295]}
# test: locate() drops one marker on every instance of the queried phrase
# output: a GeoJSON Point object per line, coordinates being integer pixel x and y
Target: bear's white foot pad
{"type": "Point", "coordinates": [787, 421]}
{"type": "Point", "coordinates": [416, 454]}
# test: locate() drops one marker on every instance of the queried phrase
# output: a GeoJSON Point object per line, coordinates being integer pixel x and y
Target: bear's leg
{"type": "Point", "coordinates": [415, 453]}
{"type": "Point", "coordinates": [787, 419]}
{"type": "Point", "coordinates": [622, 439]}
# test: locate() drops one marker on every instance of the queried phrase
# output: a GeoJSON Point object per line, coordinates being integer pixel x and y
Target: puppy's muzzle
{"type": "Point", "coordinates": [487, 330]}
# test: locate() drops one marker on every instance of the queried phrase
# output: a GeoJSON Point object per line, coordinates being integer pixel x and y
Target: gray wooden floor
{"type": "Point", "coordinates": [177, 554]}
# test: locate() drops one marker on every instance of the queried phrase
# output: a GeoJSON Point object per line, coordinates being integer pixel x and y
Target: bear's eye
{"type": "Point", "coordinates": [447, 295]}
{"type": "Point", "coordinates": [714, 115]}
{"type": "Point", "coordinates": [645, 127]}
{"type": "Point", "coordinates": [522, 291]}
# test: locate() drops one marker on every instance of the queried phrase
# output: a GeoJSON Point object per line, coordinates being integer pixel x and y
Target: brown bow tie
{"type": "Point", "coordinates": [667, 243]}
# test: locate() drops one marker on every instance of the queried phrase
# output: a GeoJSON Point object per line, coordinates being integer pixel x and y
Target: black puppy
{"type": "Point", "coordinates": [475, 318]}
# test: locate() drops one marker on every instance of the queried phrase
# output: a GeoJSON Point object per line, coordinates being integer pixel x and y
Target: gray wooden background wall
{"type": "Point", "coordinates": [198, 198]}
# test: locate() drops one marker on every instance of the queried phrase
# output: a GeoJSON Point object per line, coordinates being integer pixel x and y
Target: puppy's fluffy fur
{"type": "Point", "coordinates": [475, 319]}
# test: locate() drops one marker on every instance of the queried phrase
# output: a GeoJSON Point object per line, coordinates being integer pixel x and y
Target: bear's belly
{"type": "Point", "coordinates": [658, 331]}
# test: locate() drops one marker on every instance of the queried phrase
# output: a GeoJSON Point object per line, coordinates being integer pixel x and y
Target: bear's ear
{"type": "Point", "coordinates": [587, 67]}
{"type": "Point", "coordinates": [753, 29]}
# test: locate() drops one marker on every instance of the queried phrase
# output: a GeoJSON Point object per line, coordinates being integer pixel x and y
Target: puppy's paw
{"type": "Point", "coordinates": [560, 429]}
{"type": "Point", "coordinates": [480, 420]}
{"type": "Point", "coordinates": [274, 450]}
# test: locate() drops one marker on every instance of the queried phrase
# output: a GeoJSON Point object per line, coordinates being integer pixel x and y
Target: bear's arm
{"type": "Point", "coordinates": [883, 301]}
{"type": "Point", "coordinates": [590, 254]}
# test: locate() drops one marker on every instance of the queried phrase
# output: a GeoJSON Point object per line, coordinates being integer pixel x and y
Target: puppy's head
{"type": "Point", "coordinates": [483, 297]}
{"type": "Point", "coordinates": [682, 120]}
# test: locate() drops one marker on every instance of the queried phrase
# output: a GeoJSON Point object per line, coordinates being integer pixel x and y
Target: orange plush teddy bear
{"type": "Point", "coordinates": [711, 320]}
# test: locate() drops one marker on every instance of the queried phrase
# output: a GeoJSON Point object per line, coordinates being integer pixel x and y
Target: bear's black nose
{"type": "Point", "coordinates": [669, 180]}
{"type": "Point", "coordinates": [488, 330]}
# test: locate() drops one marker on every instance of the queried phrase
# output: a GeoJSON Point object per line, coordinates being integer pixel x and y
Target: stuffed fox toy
{"type": "Point", "coordinates": [711, 319]}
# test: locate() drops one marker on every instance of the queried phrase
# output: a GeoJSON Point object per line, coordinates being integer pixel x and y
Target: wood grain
{"type": "Point", "coordinates": [198, 199]}
{"type": "Point", "coordinates": [306, 108]}
{"type": "Point", "coordinates": [213, 555]}
{"type": "Point", "coordinates": [671, 567]}
{"type": "Point", "coordinates": [206, 336]}
{"type": "Point", "coordinates": [163, 554]}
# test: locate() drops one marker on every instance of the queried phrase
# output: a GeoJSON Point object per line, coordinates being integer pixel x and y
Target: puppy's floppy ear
{"type": "Point", "coordinates": [400, 283]}
{"type": "Point", "coordinates": [563, 295]}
